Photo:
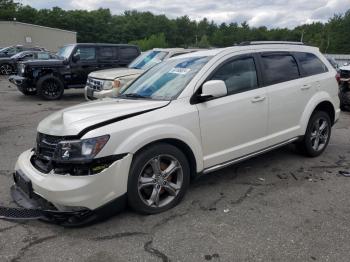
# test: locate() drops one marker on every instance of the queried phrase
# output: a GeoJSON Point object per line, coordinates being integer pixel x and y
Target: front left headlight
{"type": "Point", "coordinates": [107, 85]}
{"type": "Point", "coordinates": [23, 69]}
{"type": "Point", "coordinates": [80, 150]}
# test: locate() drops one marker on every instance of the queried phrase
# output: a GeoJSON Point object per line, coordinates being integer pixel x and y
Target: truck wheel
{"type": "Point", "coordinates": [317, 134]}
{"type": "Point", "coordinates": [50, 87]}
{"type": "Point", "coordinates": [158, 179]}
{"type": "Point", "coordinates": [6, 69]}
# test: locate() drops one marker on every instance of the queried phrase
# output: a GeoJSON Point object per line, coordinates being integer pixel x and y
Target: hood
{"type": "Point", "coordinates": [5, 60]}
{"type": "Point", "coordinates": [73, 120]}
{"type": "Point", "coordinates": [111, 74]}
{"type": "Point", "coordinates": [49, 62]}
{"type": "Point", "coordinates": [345, 68]}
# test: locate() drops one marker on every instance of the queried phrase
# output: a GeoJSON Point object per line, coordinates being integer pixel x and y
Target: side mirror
{"type": "Point", "coordinates": [76, 58]}
{"type": "Point", "coordinates": [213, 89]}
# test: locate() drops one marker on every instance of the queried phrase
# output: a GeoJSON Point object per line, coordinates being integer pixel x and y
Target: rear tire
{"type": "Point", "coordinates": [50, 87]}
{"type": "Point", "coordinates": [317, 135]}
{"type": "Point", "coordinates": [158, 179]}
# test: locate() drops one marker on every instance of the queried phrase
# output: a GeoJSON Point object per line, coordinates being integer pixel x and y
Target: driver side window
{"type": "Point", "coordinates": [86, 53]}
{"type": "Point", "coordinates": [239, 75]}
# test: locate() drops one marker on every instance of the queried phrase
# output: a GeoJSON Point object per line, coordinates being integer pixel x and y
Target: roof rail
{"type": "Point", "coordinates": [271, 43]}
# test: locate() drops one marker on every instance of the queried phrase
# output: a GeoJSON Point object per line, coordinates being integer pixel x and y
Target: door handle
{"type": "Point", "coordinates": [305, 87]}
{"type": "Point", "coordinates": [258, 99]}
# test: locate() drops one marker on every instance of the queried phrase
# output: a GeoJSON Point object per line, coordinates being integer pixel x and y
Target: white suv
{"type": "Point", "coordinates": [189, 115]}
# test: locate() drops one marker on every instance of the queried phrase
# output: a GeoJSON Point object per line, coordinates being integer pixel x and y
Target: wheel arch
{"type": "Point", "coordinates": [40, 73]}
{"type": "Point", "coordinates": [186, 149]}
{"type": "Point", "coordinates": [185, 139]}
{"type": "Point", "coordinates": [321, 101]}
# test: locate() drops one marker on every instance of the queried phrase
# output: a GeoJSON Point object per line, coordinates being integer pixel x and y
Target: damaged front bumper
{"type": "Point", "coordinates": [22, 83]}
{"type": "Point", "coordinates": [70, 200]}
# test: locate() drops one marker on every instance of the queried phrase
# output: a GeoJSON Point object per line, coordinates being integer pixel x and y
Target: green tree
{"type": "Point", "coordinates": [150, 30]}
{"type": "Point", "coordinates": [204, 43]}
{"type": "Point", "coordinates": [151, 42]}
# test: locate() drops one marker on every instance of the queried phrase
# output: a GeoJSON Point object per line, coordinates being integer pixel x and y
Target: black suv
{"type": "Point", "coordinates": [49, 78]}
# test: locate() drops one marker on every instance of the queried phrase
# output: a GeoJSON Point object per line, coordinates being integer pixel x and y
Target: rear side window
{"type": "Point", "coordinates": [108, 53]}
{"type": "Point", "coordinates": [239, 75]}
{"type": "Point", "coordinates": [43, 56]}
{"type": "Point", "coordinates": [279, 68]}
{"type": "Point", "coordinates": [128, 53]}
{"type": "Point", "coordinates": [311, 64]}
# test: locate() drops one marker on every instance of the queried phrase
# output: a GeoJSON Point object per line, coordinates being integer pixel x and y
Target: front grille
{"type": "Point", "coordinates": [345, 73]}
{"type": "Point", "coordinates": [46, 145]}
{"type": "Point", "coordinates": [95, 84]}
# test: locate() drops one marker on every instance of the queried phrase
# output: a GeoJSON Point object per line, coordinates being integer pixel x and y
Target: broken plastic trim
{"type": "Point", "coordinates": [33, 209]}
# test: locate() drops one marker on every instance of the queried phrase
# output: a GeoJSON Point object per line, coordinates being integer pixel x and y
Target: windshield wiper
{"type": "Point", "coordinates": [134, 95]}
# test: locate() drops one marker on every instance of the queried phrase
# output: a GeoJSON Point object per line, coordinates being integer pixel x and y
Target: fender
{"type": "Point", "coordinates": [318, 98]}
{"type": "Point", "coordinates": [155, 133]}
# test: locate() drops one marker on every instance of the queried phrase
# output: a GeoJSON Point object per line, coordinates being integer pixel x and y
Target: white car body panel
{"type": "Point", "coordinates": [72, 120]}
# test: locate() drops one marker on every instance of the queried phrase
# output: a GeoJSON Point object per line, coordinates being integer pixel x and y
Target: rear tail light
{"type": "Point", "coordinates": [337, 77]}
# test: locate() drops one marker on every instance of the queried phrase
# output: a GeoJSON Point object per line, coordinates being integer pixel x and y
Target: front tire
{"type": "Point", "coordinates": [6, 69]}
{"type": "Point", "coordinates": [50, 87]}
{"type": "Point", "coordinates": [317, 134]}
{"type": "Point", "coordinates": [28, 91]}
{"type": "Point", "coordinates": [159, 178]}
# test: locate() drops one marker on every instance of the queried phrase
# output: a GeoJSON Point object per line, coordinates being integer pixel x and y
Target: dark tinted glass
{"type": "Point", "coordinates": [107, 52]}
{"type": "Point", "coordinates": [128, 53]}
{"type": "Point", "coordinates": [311, 64]}
{"type": "Point", "coordinates": [239, 75]}
{"type": "Point", "coordinates": [279, 68]}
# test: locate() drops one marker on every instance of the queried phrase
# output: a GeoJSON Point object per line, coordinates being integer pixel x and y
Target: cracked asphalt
{"type": "Point", "coordinates": [279, 206]}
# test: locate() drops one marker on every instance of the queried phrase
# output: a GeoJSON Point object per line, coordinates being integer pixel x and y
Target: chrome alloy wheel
{"type": "Point", "coordinates": [319, 134]}
{"type": "Point", "coordinates": [160, 181]}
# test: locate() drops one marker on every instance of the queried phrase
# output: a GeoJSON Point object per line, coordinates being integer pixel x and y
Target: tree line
{"type": "Point", "coordinates": [149, 30]}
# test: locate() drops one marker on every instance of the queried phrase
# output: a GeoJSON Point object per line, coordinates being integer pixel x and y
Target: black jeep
{"type": "Point", "coordinates": [49, 78]}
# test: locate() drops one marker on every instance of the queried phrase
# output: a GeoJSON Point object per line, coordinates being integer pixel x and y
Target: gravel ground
{"type": "Point", "coordinates": [276, 207]}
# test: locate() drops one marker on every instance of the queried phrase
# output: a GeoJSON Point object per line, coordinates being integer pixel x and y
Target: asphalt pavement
{"type": "Point", "coordinates": [279, 206]}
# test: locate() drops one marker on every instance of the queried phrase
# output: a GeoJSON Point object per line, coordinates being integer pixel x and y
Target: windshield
{"type": "Point", "coordinates": [65, 51]}
{"type": "Point", "coordinates": [19, 55]}
{"type": "Point", "coordinates": [148, 59]}
{"type": "Point", "coordinates": [166, 80]}
{"type": "Point", "coordinates": [4, 49]}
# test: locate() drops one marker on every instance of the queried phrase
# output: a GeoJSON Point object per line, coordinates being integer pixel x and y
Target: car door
{"type": "Point", "coordinates": [127, 54]}
{"type": "Point", "coordinates": [288, 95]}
{"type": "Point", "coordinates": [108, 57]}
{"type": "Point", "coordinates": [86, 63]}
{"type": "Point", "coordinates": [234, 125]}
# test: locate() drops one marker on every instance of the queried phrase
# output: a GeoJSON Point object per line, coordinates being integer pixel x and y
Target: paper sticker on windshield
{"type": "Point", "coordinates": [179, 70]}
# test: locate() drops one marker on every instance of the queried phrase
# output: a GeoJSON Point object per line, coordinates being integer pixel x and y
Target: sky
{"type": "Point", "coordinates": [270, 13]}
